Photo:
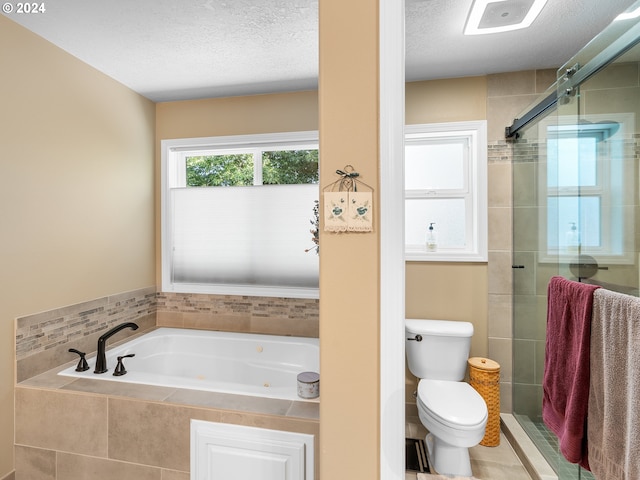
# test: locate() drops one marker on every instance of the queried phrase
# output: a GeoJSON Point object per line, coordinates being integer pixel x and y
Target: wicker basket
{"type": "Point", "coordinates": [484, 376]}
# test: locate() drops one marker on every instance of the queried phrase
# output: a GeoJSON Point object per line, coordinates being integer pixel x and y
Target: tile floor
{"type": "Point", "coordinates": [487, 463]}
{"type": "Point", "coordinates": [547, 444]}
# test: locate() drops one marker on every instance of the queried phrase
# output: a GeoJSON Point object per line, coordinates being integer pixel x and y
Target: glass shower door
{"type": "Point", "coordinates": [591, 180]}
{"type": "Point", "coordinates": [575, 214]}
{"type": "Point", "coordinates": [533, 266]}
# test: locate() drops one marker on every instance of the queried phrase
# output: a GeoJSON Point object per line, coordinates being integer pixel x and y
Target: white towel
{"type": "Point", "coordinates": [613, 421]}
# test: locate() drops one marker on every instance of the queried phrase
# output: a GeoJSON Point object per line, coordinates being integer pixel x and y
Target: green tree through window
{"type": "Point", "coordinates": [220, 170]}
{"type": "Point", "coordinates": [281, 167]}
{"type": "Point", "coordinates": [290, 167]}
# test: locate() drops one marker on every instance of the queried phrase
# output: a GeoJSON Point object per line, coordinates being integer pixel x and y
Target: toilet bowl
{"type": "Point", "coordinates": [455, 416]}
{"type": "Point", "coordinates": [451, 410]}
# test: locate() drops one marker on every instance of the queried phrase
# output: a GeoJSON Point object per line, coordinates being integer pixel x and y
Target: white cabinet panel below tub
{"type": "Point", "coordinates": [221, 451]}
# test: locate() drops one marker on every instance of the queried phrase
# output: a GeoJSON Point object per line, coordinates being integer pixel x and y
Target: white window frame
{"type": "Point", "coordinates": [173, 174]}
{"type": "Point", "coordinates": [604, 254]}
{"type": "Point", "coordinates": [475, 195]}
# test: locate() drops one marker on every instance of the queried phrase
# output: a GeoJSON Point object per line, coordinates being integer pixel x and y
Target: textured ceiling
{"type": "Point", "coordinates": [183, 49]}
{"type": "Point", "coordinates": [435, 47]}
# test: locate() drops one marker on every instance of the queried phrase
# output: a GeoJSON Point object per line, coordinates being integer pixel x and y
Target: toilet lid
{"type": "Point", "coordinates": [452, 403]}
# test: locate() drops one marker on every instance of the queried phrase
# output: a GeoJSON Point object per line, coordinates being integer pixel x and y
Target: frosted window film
{"type": "Point", "coordinates": [435, 166]}
{"type": "Point", "coordinates": [254, 235]}
{"type": "Point", "coordinates": [448, 216]}
{"type": "Point", "coordinates": [584, 212]}
{"type": "Point", "coordinates": [572, 162]}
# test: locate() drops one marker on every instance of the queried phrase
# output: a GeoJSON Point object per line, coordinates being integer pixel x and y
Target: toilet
{"type": "Point", "coordinates": [451, 410]}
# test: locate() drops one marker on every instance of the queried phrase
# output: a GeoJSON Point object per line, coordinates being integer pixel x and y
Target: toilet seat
{"type": "Point", "coordinates": [454, 404]}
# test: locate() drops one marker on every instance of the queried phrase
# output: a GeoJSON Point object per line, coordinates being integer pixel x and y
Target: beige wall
{"type": "Point", "coordinates": [296, 111]}
{"type": "Point", "coordinates": [450, 100]}
{"type": "Point", "coordinates": [349, 263]}
{"type": "Point", "coordinates": [441, 290]}
{"type": "Point", "coordinates": [76, 189]}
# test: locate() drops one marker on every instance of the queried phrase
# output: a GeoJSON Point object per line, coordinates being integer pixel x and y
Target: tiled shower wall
{"type": "Point", "coordinates": [508, 96]}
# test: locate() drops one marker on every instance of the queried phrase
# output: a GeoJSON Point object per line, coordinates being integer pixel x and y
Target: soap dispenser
{"type": "Point", "coordinates": [572, 238]}
{"type": "Point", "coordinates": [432, 243]}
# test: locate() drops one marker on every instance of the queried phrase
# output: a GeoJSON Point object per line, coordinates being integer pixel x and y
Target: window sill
{"type": "Point", "coordinates": [445, 257]}
{"type": "Point", "coordinates": [599, 258]}
{"type": "Point", "coordinates": [243, 290]}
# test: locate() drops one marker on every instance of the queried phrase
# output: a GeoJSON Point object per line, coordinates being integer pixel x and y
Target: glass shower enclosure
{"type": "Point", "coordinates": [575, 203]}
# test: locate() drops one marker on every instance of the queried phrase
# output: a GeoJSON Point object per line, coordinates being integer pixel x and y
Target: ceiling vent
{"type": "Point", "coordinates": [495, 16]}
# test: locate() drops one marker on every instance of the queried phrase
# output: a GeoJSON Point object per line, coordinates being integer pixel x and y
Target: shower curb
{"type": "Point", "coordinates": [531, 458]}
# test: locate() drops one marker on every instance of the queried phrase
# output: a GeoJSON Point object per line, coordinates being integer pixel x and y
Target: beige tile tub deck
{"type": "Point", "coordinates": [70, 428]}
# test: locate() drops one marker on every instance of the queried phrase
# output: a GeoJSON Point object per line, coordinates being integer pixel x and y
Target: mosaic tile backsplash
{"type": "Point", "coordinates": [43, 339]}
{"type": "Point", "coordinates": [270, 315]}
{"type": "Point", "coordinates": [43, 331]}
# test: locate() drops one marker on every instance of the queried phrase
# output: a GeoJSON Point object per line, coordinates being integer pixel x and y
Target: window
{"type": "Point", "coordinates": [251, 167]}
{"type": "Point", "coordinates": [589, 180]}
{"type": "Point", "coordinates": [237, 214]}
{"type": "Point", "coordinates": [445, 185]}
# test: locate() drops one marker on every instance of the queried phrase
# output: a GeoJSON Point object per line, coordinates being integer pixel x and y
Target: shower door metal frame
{"type": "Point", "coordinates": [571, 75]}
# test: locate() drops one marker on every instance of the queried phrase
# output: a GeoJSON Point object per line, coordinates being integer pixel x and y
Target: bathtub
{"type": "Point", "coordinates": [225, 362]}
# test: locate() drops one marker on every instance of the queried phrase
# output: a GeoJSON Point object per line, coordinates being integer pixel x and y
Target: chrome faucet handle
{"type": "Point", "coordinates": [83, 366]}
{"type": "Point", "coordinates": [120, 370]}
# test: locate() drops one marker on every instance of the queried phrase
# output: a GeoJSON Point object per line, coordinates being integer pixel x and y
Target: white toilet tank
{"type": "Point", "coordinates": [438, 349]}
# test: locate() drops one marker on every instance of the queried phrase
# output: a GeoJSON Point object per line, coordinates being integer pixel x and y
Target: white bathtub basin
{"type": "Point", "coordinates": [237, 363]}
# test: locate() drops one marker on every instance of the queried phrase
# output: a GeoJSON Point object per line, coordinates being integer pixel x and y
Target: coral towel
{"type": "Point", "coordinates": [566, 366]}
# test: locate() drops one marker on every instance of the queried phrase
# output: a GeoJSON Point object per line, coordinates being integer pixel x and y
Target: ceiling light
{"type": "Point", "coordinates": [495, 16]}
{"type": "Point", "coordinates": [629, 15]}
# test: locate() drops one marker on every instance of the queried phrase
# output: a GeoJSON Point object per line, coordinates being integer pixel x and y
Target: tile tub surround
{"type": "Point", "coordinates": [75, 428]}
{"type": "Point", "coordinates": [70, 428]}
{"type": "Point", "coordinates": [298, 317]}
{"type": "Point", "coordinates": [43, 339]}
